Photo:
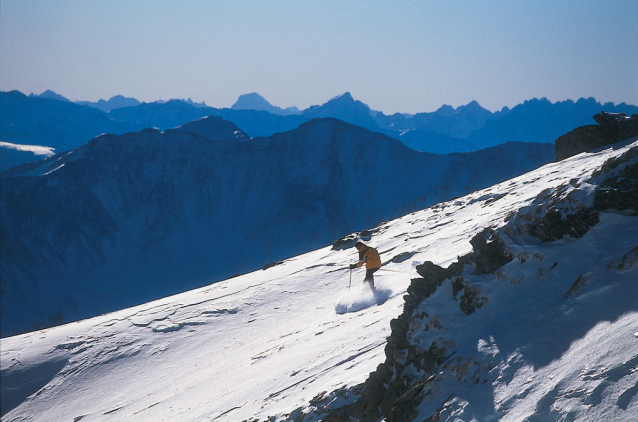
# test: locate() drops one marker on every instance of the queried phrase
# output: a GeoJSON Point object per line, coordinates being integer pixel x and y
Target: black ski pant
{"type": "Point", "coordinates": [369, 277]}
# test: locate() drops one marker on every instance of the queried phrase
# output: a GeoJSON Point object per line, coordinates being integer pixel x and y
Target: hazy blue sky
{"type": "Point", "coordinates": [396, 56]}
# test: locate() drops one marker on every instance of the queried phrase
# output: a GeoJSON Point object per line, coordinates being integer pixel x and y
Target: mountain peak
{"type": "Point", "coordinates": [254, 101]}
{"type": "Point", "coordinates": [51, 95]}
{"type": "Point", "coordinates": [473, 107]}
{"type": "Point", "coordinates": [347, 108]}
{"type": "Point", "coordinates": [343, 98]}
{"type": "Point", "coordinates": [473, 104]}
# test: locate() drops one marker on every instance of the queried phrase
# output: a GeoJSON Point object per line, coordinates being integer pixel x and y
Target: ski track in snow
{"type": "Point", "coordinates": [264, 344]}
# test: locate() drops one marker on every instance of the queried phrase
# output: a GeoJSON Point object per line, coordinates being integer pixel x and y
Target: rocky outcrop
{"type": "Point", "coordinates": [554, 225]}
{"type": "Point", "coordinates": [349, 240]}
{"type": "Point", "coordinates": [611, 128]}
{"type": "Point", "coordinates": [619, 191]}
{"type": "Point", "coordinates": [559, 213]}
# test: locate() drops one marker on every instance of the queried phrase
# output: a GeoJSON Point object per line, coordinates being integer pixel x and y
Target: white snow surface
{"type": "Point", "coordinates": [265, 344]}
{"type": "Point", "coordinates": [35, 149]}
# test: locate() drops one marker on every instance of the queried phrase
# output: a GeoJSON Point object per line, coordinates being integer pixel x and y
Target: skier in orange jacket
{"type": "Point", "coordinates": [370, 257]}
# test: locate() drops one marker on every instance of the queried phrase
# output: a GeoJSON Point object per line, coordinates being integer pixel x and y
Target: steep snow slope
{"type": "Point", "coordinates": [276, 344]}
{"type": "Point", "coordinates": [128, 219]}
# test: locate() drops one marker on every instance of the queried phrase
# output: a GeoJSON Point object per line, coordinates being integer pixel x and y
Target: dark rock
{"type": "Point", "coordinates": [580, 282]}
{"type": "Point", "coordinates": [554, 225]}
{"type": "Point", "coordinates": [612, 128]}
{"type": "Point", "coordinates": [272, 264]}
{"type": "Point", "coordinates": [579, 140]}
{"type": "Point", "coordinates": [620, 192]}
{"type": "Point", "coordinates": [490, 252]}
{"type": "Point", "coordinates": [470, 300]}
{"type": "Point", "coordinates": [349, 240]}
{"type": "Point", "coordinates": [400, 332]}
{"type": "Point", "coordinates": [565, 217]}
{"type": "Point", "coordinates": [323, 404]}
{"type": "Point", "coordinates": [629, 260]}
{"type": "Point", "coordinates": [457, 286]}
{"type": "Point", "coordinates": [345, 242]}
{"type": "Point", "coordinates": [341, 414]}
{"type": "Point", "coordinates": [420, 288]}
{"type": "Point", "coordinates": [427, 360]}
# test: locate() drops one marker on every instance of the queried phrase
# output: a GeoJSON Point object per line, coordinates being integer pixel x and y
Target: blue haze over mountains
{"type": "Point", "coordinates": [52, 120]}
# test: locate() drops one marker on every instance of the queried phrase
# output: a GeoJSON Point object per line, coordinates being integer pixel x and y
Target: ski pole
{"type": "Point", "coordinates": [394, 271]}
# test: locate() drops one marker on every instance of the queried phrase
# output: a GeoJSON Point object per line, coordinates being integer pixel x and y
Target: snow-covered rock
{"type": "Point", "coordinates": [551, 335]}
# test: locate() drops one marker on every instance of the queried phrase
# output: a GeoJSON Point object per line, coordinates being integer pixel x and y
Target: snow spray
{"type": "Point", "coordinates": [360, 297]}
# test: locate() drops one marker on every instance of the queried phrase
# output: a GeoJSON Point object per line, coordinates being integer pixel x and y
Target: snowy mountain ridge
{"type": "Point", "coordinates": [127, 219]}
{"type": "Point", "coordinates": [550, 335]}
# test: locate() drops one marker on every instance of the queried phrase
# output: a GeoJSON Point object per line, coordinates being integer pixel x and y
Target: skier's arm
{"type": "Point", "coordinates": [362, 260]}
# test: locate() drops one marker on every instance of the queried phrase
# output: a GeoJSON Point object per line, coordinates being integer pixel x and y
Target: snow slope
{"type": "Point", "coordinates": [276, 344]}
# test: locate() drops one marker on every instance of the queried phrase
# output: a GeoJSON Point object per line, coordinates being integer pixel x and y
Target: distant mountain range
{"type": "Point", "coordinates": [117, 101]}
{"type": "Point", "coordinates": [125, 219]}
{"type": "Point", "coordinates": [50, 120]}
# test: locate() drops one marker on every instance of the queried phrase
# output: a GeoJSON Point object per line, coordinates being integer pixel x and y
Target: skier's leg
{"type": "Point", "coordinates": [370, 278]}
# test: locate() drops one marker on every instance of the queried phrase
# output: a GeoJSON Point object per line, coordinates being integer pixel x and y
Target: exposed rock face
{"type": "Point", "coordinates": [612, 128]}
{"type": "Point", "coordinates": [560, 213]}
{"type": "Point", "coordinates": [619, 192]}
{"type": "Point", "coordinates": [554, 226]}
{"type": "Point", "coordinates": [349, 240]}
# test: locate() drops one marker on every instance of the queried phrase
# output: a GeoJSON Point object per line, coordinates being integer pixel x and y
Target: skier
{"type": "Point", "coordinates": [370, 257]}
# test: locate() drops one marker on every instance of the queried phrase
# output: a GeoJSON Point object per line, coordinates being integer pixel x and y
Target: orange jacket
{"type": "Point", "coordinates": [370, 257]}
